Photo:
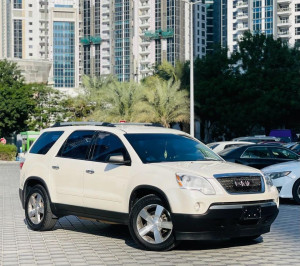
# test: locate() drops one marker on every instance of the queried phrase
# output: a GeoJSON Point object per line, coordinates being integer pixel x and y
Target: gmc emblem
{"type": "Point", "coordinates": [242, 183]}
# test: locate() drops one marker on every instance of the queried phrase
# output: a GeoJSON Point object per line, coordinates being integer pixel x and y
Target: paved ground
{"type": "Point", "coordinates": [81, 242]}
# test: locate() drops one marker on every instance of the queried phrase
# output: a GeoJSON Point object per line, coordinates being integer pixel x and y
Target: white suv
{"type": "Point", "coordinates": [162, 183]}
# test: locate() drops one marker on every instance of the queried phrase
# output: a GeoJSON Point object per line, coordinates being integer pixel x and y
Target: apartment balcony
{"type": "Point", "coordinates": [243, 27]}
{"type": "Point", "coordinates": [242, 16]}
{"type": "Point", "coordinates": [145, 61]}
{"type": "Point", "coordinates": [284, 11]}
{"type": "Point", "coordinates": [105, 11]}
{"type": "Point", "coordinates": [242, 4]}
{"type": "Point", "coordinates": [106, 3]}
{"type": "Point", "coordinates": [144, 15]}
{"type": "Point", "coordinates": [105, 55]}
{"type": "Point", "coordinates": [145, 25]}
{"type": "Point", "coordinates": [284, 1]}
{"type": "Point", "coordinates": [145, 52]}
{"type": "Point", "coordinates": [146, 71]}
{"type": "Point", "coordinates": [105, 36]}
{"type": "Point", "coordinates": [105, 19]}
{"type": "Point", "coordinates": [105, 63]}
{"type": "Point", "coordinates": [284, 34]}
{"type": "Point", "coordinates": [284, 23]}
{"type": "Point", "coordinates": [145, 42]}
{"type": "Point", "coordinates": [144, 5]}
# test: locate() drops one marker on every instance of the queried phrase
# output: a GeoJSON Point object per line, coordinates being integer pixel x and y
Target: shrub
{"type": "Point", "coordinates": [8, 152]}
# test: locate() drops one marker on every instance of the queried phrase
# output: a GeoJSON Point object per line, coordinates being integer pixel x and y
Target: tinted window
{"type": "Point", "coordinates": [257, 153]}
{"type": "Point", "coordinates": [45, 142]}
{"type": "Point", "coordinates": [108, 144]}
{"type": "Point", "coordinates": [169, 148]}
{"type": "Point", "coordinates": [283, 154]}
{"type": "Point", "coordinates": [77, 145]}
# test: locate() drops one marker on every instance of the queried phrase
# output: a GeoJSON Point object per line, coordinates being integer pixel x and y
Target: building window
{"type": "Point", "coordinates": [18, 4]}
{"type": "Point", "coordinates": [297, 7]}
{"type": "Point", "coordinates": [18, 38]}
{"type": "Point", "coordinates": [64, 54]}
{"type": "Point", "coordinates": [30, 5]}
{"type": "Point", "coordinates": [297, 31]}
{"type": "Point", "coordinates": [30, 54]}
{"type": "Point", "coordinates": [297, 19]}
{"type": "Point", "coordinates": [30, 39]}
{"type": "Point", "coordinates": [30, 23]}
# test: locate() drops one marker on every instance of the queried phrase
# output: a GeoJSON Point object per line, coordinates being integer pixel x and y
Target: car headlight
{"type": "Point", "coordinates": [269, 181]}
{"type": "Point", "coordinates": [195, 183]}
{"type": "Point", "coordinates": [276, 175]}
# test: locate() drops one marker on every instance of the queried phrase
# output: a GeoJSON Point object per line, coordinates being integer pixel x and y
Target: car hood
{"type": "Point", "coordinates": [287, 166]}
{"type": "Point", "coordinates": [207, 168]}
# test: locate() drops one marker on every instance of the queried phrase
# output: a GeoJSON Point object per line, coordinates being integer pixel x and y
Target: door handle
{"type": "Point", "coordinates": [90, 171]}
{"type": "Point", "coordinates": [55, 167]}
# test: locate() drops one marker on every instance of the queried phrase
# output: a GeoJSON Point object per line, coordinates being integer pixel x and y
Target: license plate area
{"type": "Point", "coordinates": [251, 212]}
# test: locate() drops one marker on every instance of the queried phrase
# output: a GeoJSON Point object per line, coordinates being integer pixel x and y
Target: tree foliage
{"type": "Point", "coordinates": [256, 88]}
{"type": "Point", "coordinates": [15, 99]}
{"type": "Point", "coordinates": [163, 103]}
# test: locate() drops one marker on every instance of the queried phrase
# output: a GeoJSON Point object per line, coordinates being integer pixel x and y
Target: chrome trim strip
{"type": "Point", "coordinates": [240, 206]}
{"type": "Point", "coordinates": [236, 174]}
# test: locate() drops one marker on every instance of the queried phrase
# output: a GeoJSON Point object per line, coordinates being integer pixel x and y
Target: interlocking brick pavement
{"type": "Point", "coordinates": [82, 242]}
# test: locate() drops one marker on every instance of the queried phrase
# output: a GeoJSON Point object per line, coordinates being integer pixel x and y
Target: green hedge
{"type": "Point", "coordinates": [8, 152]}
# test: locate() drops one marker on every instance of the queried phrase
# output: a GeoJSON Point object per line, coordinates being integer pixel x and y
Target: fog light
{"type": "Point", "coordinates": [197, 206]}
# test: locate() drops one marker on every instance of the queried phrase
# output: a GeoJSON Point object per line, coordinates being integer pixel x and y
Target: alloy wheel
{"type": "Point", "coordinates": [35, 208]}
{"type": "Point", "coordinates": [154, 224]}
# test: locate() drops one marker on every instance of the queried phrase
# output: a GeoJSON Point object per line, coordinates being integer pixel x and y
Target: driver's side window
{"type": "Point", "coordinates": [107, 144]}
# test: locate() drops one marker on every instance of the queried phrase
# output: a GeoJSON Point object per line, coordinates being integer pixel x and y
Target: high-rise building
{"type": "Point", "coordinates": [209, 25]}
{"type": "Point", "coordinates": [280, 18]}
{"type": "Point", "coordinates": [5, 28]}
{"type": "Point", "coordinates": [134, 35]}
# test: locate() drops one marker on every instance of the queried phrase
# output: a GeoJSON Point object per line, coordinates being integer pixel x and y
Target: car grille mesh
{"type": "Point", "coordinates": [242, 184]}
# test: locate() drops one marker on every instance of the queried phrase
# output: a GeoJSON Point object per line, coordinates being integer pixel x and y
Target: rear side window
{"type": "Point", "coordinates": [45, 142]}
{"type": "Point", "coordinates": [77, 145]}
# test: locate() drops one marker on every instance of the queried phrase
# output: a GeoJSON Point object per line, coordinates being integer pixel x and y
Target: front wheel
{"type": "Point", "coordinates": [38, 212]}
{"type": "Point", "coordinates": [150, 224]}
{"type": "Point", "coordinates": [296, 191]}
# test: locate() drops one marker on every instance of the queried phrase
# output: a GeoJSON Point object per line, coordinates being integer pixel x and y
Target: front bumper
{"type": "Point", "coordinates": [224, 221]}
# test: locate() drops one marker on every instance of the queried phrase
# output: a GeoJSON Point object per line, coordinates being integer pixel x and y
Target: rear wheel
{"type": "Point", "coordinates": [150, 224]}
{"type": "Point", "coordinates": [296, 191]}
{"type": "Point", "coordinates": [38, 212]}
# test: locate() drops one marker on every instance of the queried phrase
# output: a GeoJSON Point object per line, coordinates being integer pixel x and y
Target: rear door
{"type": "Point", "coordinates": [67, 168]}
{"type": "Point", "coordinates": [283, 155]}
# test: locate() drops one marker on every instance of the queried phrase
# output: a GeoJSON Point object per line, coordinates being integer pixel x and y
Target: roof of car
{"type": "Point", "coordinates": [118, 128]}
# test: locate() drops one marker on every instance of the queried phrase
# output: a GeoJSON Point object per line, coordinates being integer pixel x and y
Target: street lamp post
{"type": "Point", "coordinates": [192, 101]}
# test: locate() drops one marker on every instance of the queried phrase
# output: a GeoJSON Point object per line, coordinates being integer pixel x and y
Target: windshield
{"type": "Point", "coordinates": [153, 148]}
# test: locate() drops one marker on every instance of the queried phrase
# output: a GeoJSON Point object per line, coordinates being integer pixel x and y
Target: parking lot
{"type": "Point", "coordinates": [82, 242]}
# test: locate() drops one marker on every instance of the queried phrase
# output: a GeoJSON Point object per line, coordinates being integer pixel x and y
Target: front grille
{"type": "Point", "coordinates": [242, 184]}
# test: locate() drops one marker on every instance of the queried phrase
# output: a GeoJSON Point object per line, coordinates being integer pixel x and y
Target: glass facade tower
{"type": "Point", "coordinates": [64, 54]}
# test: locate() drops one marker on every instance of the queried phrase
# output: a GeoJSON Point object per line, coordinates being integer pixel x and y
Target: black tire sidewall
{"type": "Point", "coordinates": [138, 206]}
{"type": "Point", "coordinates": [40, 190]}
{"type": "Point", "coordinates": [295, 188]}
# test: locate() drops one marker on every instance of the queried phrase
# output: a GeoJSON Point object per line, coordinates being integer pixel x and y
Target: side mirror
{"type": "Point", "coordinates": [117, 158]}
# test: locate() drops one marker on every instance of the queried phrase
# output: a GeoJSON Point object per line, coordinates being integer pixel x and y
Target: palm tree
{"type": "Point", "coordinates": [163, 103]}
{"type": "Point", "coordinates": [116, 102]}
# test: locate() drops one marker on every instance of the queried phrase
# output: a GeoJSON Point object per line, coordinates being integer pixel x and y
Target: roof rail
{"type": "Point", "coordinates": [138, 124]}
{"type": "Point", "coordinates": [64, 124]}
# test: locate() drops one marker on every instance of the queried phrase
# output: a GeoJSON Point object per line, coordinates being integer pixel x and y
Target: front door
{"type": "Point", "coordinates": [105, 183]}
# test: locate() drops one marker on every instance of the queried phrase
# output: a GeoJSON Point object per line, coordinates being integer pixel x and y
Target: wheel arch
{"type": "Point", "coordinates": [30, 183]}
{"type": "Point", "coordinates": [144, 190]}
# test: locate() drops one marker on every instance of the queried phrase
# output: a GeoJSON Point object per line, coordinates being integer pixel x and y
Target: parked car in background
{"type": "Point", "coordinates": [286, 177]}
{"type": "Point", "coordinates": [285, 135]}
{"type": "Point", "coordinates": [257, 139]}
{"type": "Point", "coordinates": [222, 145]}
{"type": "Point", "coordinates": [258, 156]}
{"type": "Point", "coordinates": [296, 148]}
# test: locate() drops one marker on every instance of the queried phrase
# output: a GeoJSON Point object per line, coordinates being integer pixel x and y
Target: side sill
{"type": "Point", "coordinates": [109, 216]}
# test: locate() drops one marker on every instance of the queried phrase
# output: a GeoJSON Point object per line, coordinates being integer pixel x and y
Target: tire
{"type": "Point", "coordinates": [296, 191]}
{"type": "Point", "coordinates": [150, 231]}
{"type": "Point", "coordinates": [38, 212]}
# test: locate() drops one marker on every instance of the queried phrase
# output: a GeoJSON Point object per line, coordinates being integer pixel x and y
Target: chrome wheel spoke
{"type": "Point", "coordinates": [158, 212]}
{"type": "Point", "coordinates": [157, 236]}
{"type": "Point", "coordinates": [166, 225]}
{"type": "Point", "coordinates": [39, 199]}
{"type": "Point", "coordinates": [41, 210]}
{"type": "Point", "coordinates": [32, 213]}
{"type": "Point", "coordinates": [32, 201]}
{"type": "Point", "coordinates": [145, 230]}
{"type": "Point", "coordinates": [146, 216]}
